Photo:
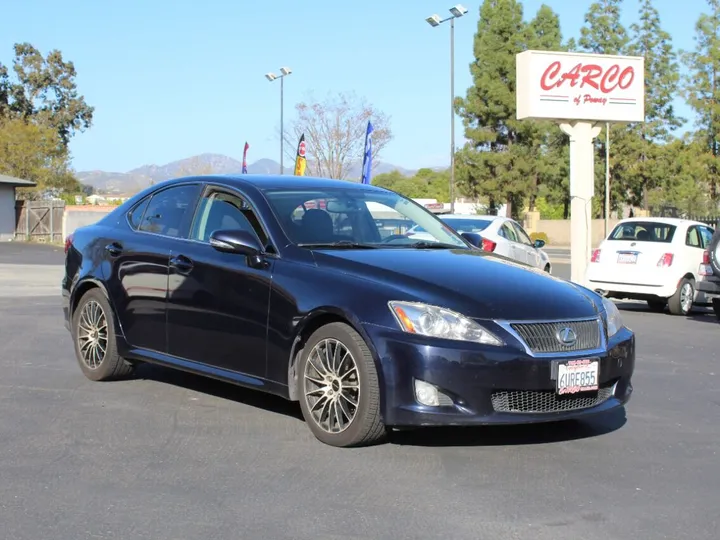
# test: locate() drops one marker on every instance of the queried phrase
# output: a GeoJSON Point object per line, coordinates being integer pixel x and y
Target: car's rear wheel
{"type": "Point", "coordinates": [339, 388]}
{"type": "Point", "coordinates": [93, 332]}
{"type": "Point", "coordinates": [681, 302]}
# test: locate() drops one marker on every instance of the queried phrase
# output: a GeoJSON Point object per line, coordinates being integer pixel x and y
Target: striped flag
{"type": "Point", "coordinates": [367, 157]}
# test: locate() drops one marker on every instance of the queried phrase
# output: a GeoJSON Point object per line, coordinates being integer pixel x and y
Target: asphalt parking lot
{"type": "Point", "coordinates": [168, 455]}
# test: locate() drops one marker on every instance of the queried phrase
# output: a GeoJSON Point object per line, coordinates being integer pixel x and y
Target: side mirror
{"type": "Point", "coordinates": [539, 243]}
{"type": "Point", "coordinates": [474, 238]}
{"type": "Point", "coordinates": [236, 241]}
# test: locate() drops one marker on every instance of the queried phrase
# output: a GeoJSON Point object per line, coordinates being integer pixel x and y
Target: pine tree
{"type": "Point", "coordinates": [603, 33]}
{"type": "Point", "coordinates": [496, 161]}
{"type": "Point", "coordinates": [703, 89]}
{"type": "Point", "coordinates": [637, 162]}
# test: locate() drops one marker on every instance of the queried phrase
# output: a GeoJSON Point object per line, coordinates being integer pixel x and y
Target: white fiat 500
{"type": "Point", "coordinates": [652, 259]}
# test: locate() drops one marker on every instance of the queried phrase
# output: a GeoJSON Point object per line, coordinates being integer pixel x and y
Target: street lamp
{"type": "Point", "coordinates": [284, 72]}
{"type": "Point", "coordinates": [434, 20]}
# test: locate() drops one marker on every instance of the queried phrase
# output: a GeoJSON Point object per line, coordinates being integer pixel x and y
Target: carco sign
{"type": "Point", "coordinates": [575, 86]}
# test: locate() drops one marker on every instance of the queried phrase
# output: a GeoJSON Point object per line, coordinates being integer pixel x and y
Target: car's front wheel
{"type": "Point", "coordinates": [339, 388]}
{"type": "Point", "coordinates": [93, 332]}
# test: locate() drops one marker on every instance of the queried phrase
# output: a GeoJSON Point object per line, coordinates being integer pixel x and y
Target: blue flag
{"type": "Point", "coordinates": [367, 157]}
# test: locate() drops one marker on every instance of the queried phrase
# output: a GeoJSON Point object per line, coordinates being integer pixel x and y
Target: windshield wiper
{"type": "Point", "coordinates": [422, 244]}
{"type": "Point", "coordinates": [340, 244]}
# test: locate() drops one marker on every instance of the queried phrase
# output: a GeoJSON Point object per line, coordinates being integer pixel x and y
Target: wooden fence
{"type": "Point", "coordinates": [39, 221]}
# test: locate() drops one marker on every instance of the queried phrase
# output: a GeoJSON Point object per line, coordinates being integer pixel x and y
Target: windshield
{"type": "Point", "coordinates": [353, 216]}
{"type": "Point", "coordinates": [643, 231]}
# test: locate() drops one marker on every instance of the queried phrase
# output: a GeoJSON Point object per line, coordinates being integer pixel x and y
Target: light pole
{"type": "Point", "coordinates": [434, 20]}
{"type": "Point", "coordinates": [284, 72]}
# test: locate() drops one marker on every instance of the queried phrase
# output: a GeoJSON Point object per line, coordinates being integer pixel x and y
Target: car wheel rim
{"type": "Point", "coordinates": [686, 297]}
{"type": "Point", "coordinates": [92, 334]}
{"type": "Point", "coordinates": [332, 386]}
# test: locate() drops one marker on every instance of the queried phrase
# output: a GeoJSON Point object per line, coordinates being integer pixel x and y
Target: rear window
{"type": "Point", "coordinates": [468, 225]}
{"type": "Point", "coordinates": [643, 231]}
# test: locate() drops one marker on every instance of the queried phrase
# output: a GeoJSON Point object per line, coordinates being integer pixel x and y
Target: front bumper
{"type": "Point", "coordinates": [488, 385]}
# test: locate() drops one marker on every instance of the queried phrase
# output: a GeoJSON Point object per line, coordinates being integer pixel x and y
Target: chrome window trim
{"type": "Point", "coordinates": [598, 351]}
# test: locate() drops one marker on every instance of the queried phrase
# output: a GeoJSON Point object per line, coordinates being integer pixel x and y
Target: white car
{"type": "Point", "coordinates": [652, 259]}
{"type": "Point", "coordinates": [501, 235]}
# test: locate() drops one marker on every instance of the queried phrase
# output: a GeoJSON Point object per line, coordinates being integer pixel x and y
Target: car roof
{"type": "Point", "coordinates": [665, 220]}
{"type": "Point", "coordinates": [468, 216]}
{"type": "Point", "coordinates": [277, 181]}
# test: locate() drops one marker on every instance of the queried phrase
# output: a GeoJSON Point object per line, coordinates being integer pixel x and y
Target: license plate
{"type": "Point", "coordinates": [627, 258]}
{"type": "Point", "coordinates": [577, 376]}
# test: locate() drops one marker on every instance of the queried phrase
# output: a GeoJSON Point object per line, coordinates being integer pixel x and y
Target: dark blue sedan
{"type": "Point", "coordinates": [286, 285]}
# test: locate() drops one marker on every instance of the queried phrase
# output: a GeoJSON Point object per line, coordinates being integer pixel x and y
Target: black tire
{"type": "Point", "coordinates": [366, 427]}
{"type": "Point", "coordinates": [714, 252]}
{"type": "Point", "coordinates": [658, 306]}
{"type": "Point", "coordinates": [716, 307]}
{"type": "Point", "coordinates": [111, 366]}
{"type": "Point", "coordinates": [675, 304]}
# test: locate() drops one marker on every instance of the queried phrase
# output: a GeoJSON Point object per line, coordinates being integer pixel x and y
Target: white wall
{"type": "Point", "coordinates": [7, 212]}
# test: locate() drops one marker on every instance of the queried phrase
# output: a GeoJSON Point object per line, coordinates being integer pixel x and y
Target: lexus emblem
{"type": "Point", "coordinates": [566, 336]}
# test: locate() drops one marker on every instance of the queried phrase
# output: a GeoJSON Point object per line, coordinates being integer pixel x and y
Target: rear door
{"type": "Point", "coordinates": [633, 251]}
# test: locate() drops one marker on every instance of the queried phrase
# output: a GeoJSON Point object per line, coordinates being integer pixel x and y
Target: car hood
{"type": "Point", "coordinates": [473, 282]}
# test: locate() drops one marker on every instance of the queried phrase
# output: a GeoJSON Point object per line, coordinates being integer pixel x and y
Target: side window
{"type": "Point", "coordinates": [167, 210]}
{"type": "Point", "coordinates": [522, 235]}
{"type": "Point", "coordinates": [706, 235]}
{"type": "Point", "coordinates": [506, 231]}
{"type": "Point", "coordinates": [221, 210]}
{"type": "Point", "coordinates": [692, 238]}
{"type": "Point", "coordinates": [136, 213]}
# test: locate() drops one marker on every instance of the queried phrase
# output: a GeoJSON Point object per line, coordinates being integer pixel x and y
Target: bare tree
{"type": "Point", "coordinates": [335, 133]}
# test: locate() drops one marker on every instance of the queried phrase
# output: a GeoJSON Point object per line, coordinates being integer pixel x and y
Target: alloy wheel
{"type": "Point", "coordinates": [686, 297]}
{"type": "Point", "coordinates": [332, 385]}
{"type": "Point", "coordinates": [92, 334]}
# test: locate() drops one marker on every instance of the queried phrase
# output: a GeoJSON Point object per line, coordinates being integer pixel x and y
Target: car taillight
{"type": "Point", "coordinates": [595, 257]}
{"type": "Point", "coordinates": [488, 245]}
{"type": "Point", "coordinates": [666, 260]}
{"type": "Point", "coordinates": [706, 257]}
{"type": "Point", "coordinates": [68, 243]}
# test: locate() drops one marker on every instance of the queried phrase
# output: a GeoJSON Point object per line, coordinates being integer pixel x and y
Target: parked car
{"type": "Point", "coordinates": [247, 280]}
{"type": "Point", "coordinates": [709, 273]}
{"type": "Point", "coordinates": [652, 259]}
{"type": "Point", "coordinates": [501, 235]}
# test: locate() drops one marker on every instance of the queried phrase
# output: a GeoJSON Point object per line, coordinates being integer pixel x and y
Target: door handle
{"type": "Point", "coordinates": [114, 249]}
{"type": "Point", "coordinates": [181, 263]}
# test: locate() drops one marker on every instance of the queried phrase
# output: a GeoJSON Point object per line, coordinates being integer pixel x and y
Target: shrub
{"type": "Point", "coordinates": [539, 236]}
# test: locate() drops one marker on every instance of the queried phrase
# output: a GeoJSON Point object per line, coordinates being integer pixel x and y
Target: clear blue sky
{"type": "Point", "coordinates": [172, 79]}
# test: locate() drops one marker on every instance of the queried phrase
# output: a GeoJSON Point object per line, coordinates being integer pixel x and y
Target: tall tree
{"type": "Point", "coordinates": [334, 131]}
{"type": "Point", "coordinates": [44, 91]}
{"type": "Point", "coordinates": [662, 76]}
{"type": "Point", "coordinates": [495, 161]}
{"type": "Point", "coordinates": [703, 88]}
{"type": "Point", "coordinates": [603, 33]}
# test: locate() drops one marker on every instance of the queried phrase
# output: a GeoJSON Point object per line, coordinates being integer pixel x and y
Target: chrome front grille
{"type": "Point", "coordinates": [543, 337]}
{"type": "Point", "coordinates": [547, 401]}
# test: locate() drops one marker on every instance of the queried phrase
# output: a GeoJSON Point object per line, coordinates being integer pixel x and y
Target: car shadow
{"type": "Point", "coordinates": [518, 435]}
{"type": "Point", "coordinates": [220, 389]}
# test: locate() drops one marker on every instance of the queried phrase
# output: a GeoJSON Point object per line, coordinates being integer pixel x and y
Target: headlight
{"type": "Point", "coordinates": [612, 313]}
{"type": "Point", "coordinates": [433, 321]}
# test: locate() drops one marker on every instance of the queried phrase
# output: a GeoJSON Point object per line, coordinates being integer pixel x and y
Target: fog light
{"type": "Point", "coordinates": [426, 394]}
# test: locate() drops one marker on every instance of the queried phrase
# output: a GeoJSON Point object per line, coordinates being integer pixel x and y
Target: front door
{"type": "Point", "coordinates": [137, 263]}
{"type": "Point", "coordinates": [533, 257]}
{"type": "Point", "coordinates": [218, 302]}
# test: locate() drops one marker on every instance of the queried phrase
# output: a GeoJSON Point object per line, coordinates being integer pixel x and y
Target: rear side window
{"type": "Point", "coordinates": [167, 210]}
{"type": "Point", "coordinates": [643, 231]}
{"type": "Point", "coordinates": [136, 213]}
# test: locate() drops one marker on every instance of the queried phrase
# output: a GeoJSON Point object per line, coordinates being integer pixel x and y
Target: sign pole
{"type": "Point", "coordinates": [582, 188]}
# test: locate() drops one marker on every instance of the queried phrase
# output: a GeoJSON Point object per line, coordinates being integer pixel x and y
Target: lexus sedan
{"type": "Point", "coordinates": [285, 285]}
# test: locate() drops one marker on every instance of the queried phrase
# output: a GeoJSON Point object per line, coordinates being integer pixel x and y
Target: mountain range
{"type": "Point", "coordinates": [142, 177]}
